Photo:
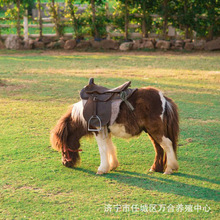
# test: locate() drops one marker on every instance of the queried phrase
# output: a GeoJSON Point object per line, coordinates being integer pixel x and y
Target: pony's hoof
{"type": "Point", "coordinates": [168, 171]}
{"type": "Point", "coordinates": [115, 166]}
{"type": "Point", "coordinates": [99, 172]}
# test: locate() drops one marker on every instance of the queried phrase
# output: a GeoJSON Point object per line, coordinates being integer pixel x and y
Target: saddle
{"type": "Point", "coordinates": [98, 108]}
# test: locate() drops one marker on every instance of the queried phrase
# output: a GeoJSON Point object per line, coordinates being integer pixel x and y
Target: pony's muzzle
{"type": "Point", "coordinates": [67, 163]}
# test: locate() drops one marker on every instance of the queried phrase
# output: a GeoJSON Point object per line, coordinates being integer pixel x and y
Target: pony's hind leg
{"type": "Point", "coordinates": [158, 165]}
{"type": "Point", "coordinates": [172, 163]}
{"type": "Point", "coordinates": [107, 151]}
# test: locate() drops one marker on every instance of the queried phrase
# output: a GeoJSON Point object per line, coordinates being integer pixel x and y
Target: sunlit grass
{"type": "Point", "coordinates": [37, 88]}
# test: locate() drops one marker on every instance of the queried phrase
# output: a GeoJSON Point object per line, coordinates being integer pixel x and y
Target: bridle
{"type": "Point", "coordinates": [66, 151]}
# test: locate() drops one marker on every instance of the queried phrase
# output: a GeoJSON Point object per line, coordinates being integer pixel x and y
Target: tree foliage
{"type": "Point", "coordinates": [189, 16]}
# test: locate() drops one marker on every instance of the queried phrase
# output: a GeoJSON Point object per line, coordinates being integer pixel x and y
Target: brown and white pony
{"type": "Point", "coordinates": [153, 113]}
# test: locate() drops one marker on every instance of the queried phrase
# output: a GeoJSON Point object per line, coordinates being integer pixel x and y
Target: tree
{"type": "Point", "coordinates": [71, 12]}
{"type": "Point", "coordinates": [56, 16]}
{"type": "Point", "coordinates": [125, 9]}
{"type": "Point", "coordinates": [146, 8]}
{"type": "Point", "coordinates": [93, 4]}
{"type": "Point", "coordinates": [210, 9]}
{"type": "Point", "coordinates": [40, 18]}
{"type": "Point", "coordinates": [14, 13]}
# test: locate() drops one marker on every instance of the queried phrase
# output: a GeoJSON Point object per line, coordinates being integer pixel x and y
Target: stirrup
{"type": "Point", "coordinates": [100, 123]}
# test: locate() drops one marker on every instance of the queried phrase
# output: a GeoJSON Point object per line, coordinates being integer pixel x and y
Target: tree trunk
{"type": "Point", "coordinates": [186, 25]}
{"type": "Point", "coordinates": [55, 18]}
{"type": "Point", "coordinates": [165, 22]}
{"type": "Point", "coordinates": [126, 20]}
{"type": "Point", "coordinates": [210, 32]}
{"type": "Point", "coordinates": [94, 19]}
{"type": "Point", "coordinates": [73, 16]}
{"type": "Point", "coordinates": [18, 19]}
{"type": "Point", "coordinates": [40, 19]}
{"type": "Point", "coordinates": [144, 25]}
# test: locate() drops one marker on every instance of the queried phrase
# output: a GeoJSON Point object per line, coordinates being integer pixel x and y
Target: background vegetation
{"type": "Point", "coordinates": [188, 16]}
{"type": "Point", "coordinates": [36, 89]}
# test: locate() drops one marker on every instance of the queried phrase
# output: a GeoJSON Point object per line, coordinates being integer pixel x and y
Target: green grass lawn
{"type": "Point", "coordinates": [37, 88]}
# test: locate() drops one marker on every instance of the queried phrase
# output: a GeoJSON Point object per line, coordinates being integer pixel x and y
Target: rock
{"type": "Point", "coordinates": [126, 46]}
{"type": "Point", "coordinates": [109, 44]}
{"type": "Point", "coordinates": [53, 45]}
{"type": "Point", "coordinates": [83, 45]}
{"type": "Point", "coordinates": [2, 46]}
{"type": "Point", "coordinates": [148, 45]}
{"type": "Point", "coordinates": [189, 46]}
{"type": "Point", "coordinates": [178, 44]}
{"type": "Point", "coordinates": [29, 44]}
{"type": "Point", "coordinates": [150, 39]}
{"type": "Point", "coordinates": [13, 42]}
{"type": "Point", "coordinates": [70, 44]}
{"type": "Point", "coordinates": [47, 40]}
{"type": "Point", "coordinates": [38, 45]}
{"type": "Point", "coordinates": [213, 44]}
{"type": "Point", "coordinates": [162, 44]}
{"type": "Point", "coordinates": [137, 44]}
{"type": "Point", "coordinates": [187, 41]}
{"type": "Point", "coordinates": [61, 43]}
{"type": "Point", "coordinates": [96, 44]}
{"type": "Point", "coordinates": [199, 45]}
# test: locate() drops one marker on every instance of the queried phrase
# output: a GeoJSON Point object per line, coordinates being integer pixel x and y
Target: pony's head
{"type": "Point", "coordinates": [66, 135]}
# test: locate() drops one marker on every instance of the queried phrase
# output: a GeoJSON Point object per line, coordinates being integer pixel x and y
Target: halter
{"type": "Point", "coordinates": [66, 152]}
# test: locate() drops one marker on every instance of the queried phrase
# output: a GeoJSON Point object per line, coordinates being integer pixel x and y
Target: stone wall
{"type": "Point", "coordinates": [67, 43]}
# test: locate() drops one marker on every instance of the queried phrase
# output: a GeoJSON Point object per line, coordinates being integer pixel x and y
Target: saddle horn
{"type": "Point", "coordinates": [91, 81]}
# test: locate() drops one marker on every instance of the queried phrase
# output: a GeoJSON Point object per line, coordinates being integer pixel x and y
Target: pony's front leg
{"type": "Point", "coordinates": [107, 152]}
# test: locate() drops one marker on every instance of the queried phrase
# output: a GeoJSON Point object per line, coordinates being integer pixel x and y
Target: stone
{"type": "Point", "coordinates": [150, 39]}
{"type": "Point", "coordinates": [148, 45]}
{"type": "Point", "coordinates": [70, 44]}
{"type": "Point", "coordinates": [13, 42]}
{"type": "Point", "coordinates": [126, 46]}
{"type": "Point", "coordinates": [38, 45]}
{"type": "Point", "coordinates": [2, 46]}
{"type": "Point", "coordinates": [199, 44]}
{"type": "Point", "coordinates": [162, 44]}
{"type": "Point", "coordinates": [189, 46]}
{"type": "Point", "coordinates": [137, 44]}
{"type": "Point", "coordinates": [96, 44]}
{"type": "Point", "coordinates": [29, 44]}
{"type": "Point", "coordinates": [213, 44]}
{"type": "Point", "coordinates": [109, 44]}
{"type": "Point", "coordinates": [53, 45]}
{"type": "Point", "coordinates": [83, 45]}
{"type": "Point", "coordinates": [178, 44]}
{"type": "Point", "coordinates": [61, 43]}
{"type": "Point", "coordinates": [47, 40]}
{"type": "Point", "coordinates": [187, 41]}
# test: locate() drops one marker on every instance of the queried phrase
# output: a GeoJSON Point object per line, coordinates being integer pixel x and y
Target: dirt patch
{"type": "Point", "coordinates": [9, 87]}
{"type": "Point", "coordinates": [2, 83]}
{"type": "Point", "coordinates": [109, 52]}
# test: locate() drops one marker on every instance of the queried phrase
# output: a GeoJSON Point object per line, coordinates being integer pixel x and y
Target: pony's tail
{"type": "Point", "coordinates": [59, 135]}
{"type": "Point", "coordinates": [171, 122]}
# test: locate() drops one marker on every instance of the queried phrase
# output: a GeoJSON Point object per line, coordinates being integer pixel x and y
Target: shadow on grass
{"type": "Point", "coordinates": [196, 177]}
{"type": "Point", "coordinates": [150, 182]}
